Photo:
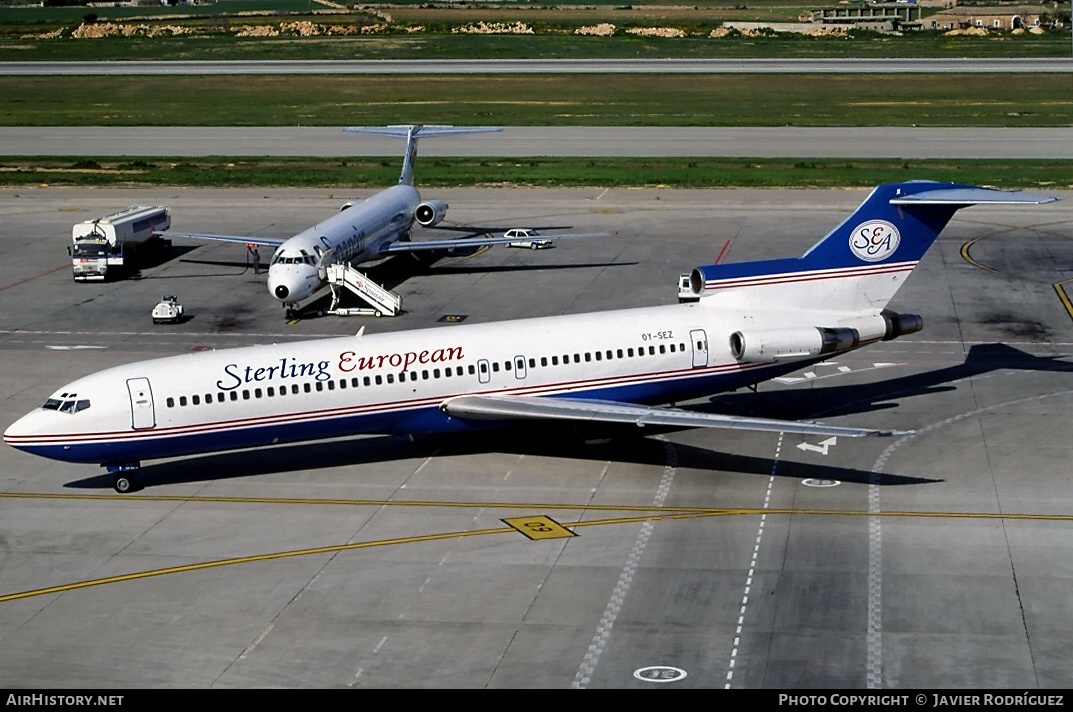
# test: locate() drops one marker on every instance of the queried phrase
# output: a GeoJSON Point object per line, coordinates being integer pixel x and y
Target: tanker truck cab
{"type": "Point", "coordinates": [100, 248]}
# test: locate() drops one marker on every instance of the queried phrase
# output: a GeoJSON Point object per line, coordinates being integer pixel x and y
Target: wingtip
{"type": "Point", "coordinates": [892, 433]}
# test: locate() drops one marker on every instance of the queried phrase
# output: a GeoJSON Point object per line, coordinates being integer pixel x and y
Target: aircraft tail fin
{"type": "Point", "coordinates": [411, 132]}
{"type": "Point", "coordinates": [861, 263]}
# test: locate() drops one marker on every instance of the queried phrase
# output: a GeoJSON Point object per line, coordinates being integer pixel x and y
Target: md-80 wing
{"type": "Point", "coordinates": [403, 246]}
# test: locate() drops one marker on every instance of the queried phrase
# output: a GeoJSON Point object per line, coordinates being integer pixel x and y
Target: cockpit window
{"type": "Point", "coordinates": [66, 403]}
{"type": "Point", "coordinates": [303, 259]}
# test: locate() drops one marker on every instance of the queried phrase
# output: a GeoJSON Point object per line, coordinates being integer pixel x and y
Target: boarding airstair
{"type": "Point", "coordinates": [382, 301]}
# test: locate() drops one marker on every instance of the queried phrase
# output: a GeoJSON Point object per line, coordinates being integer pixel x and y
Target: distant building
{"type": "Point", "coordinates": [997, 17]}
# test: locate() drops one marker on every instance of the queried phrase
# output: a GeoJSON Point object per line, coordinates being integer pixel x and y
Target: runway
{"type": "Point", "coordinates": [690, 559]}
{"type": "Point", "coordinates": [821, 65]}
{"type": "Point", "coordinates": [525, 141]}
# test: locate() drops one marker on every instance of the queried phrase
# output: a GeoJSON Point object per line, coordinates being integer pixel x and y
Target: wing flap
{"type": "Point", "coordinates": [239, 239]}
{"type": "Point", "coordinates": [472, 242]}
{"type": "Point", "coordinates": [493, 407]}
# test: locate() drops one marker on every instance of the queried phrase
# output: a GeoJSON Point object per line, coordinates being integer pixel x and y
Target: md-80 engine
{"type": "Point", "coordinates": [430, 213]}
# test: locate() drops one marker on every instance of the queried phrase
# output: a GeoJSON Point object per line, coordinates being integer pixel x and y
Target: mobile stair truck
{"type": "Point", "coordinates": [100, 248]}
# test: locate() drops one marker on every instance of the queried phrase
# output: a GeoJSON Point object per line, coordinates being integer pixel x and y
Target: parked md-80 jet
{"type": "Point", "coordinates": [753, 321]}
{"type": "Point", "coordinates": [361, 231]}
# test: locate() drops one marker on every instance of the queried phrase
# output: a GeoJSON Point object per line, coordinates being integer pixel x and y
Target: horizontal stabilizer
{"type": "Point", "coordinates": [493, 407]}
{"type": "Point", "coordinates": [973, 196]}
{"type": "Point", "coordinates": [420, 131]}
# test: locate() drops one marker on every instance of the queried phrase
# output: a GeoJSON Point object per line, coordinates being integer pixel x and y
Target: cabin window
{"type": "Point", "coordinates": [424, 375]}
{"type": "Point", "coordinates": [681, 347]}
{"type": "Point", "coordinates": [435, 373]}
{"type": "Point", "coordinates": [354, 382]}
{"type": "Point", "coordinates": [331, 385]}
{"type": "Point", "coordinates": [672, 348]}
{"type": "Point", "coordinates": [543, 360]}
{"type": "Point", "coordinates": [391, 378]}
{"type": "Point", "coordinates": [532, 363]}
{"type": "Point", "coordinates": [182, 400]}
{"type": "Point", "coordinates": [256, 392]}
{"type": "Point", "coordinates": [472, 370]}
{"type": "Point", "coordinates": [554, 360]}
{"type": "Point", "coordinates": [170, 401]}
{"type": "Point", "coordinates": [588, 357]}
{"type": "Point", "coordinates": [245, 395]}
{"type": "Point", "coordinates": [283, 390]}
{"type": "Point", "coordinates": [413, 375]}
{"type": "Point", "coordinates": [234, 396]}
{"type": "Point", "coordinates": [447, 372]}
{"type": "Point", "coordinates": [619, 352]}
{"type": "Point", "coordinates": [495, 367]}
{"type": "Point", "coordinates": [366, 381]}
{"type": "Point", "coordinates": [629, 352]}
{"type": "Point", "coordinates": [307, 388]}
{"type": "Point", "coordinates": [459, 371]}
{"type": "Point", "coordinates": [195, 400]}
{"type": "Point", "coordinates": [294, 389]}
{"type": "Point", "coordinates": [662, 349]}
{"type": "Point", "coordinates": [483, 367]}
{"type": "Point", "coordinates": [342, 383]}
{"type": "Point", "coordinates": [609, 355]}
{"type": "Point", "coordinates": [379, 380]}
{"type": "Point", "coordinates": [506, 365]}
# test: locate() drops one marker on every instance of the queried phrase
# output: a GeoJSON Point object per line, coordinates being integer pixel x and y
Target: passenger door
{"type": "Point", "coordinates": [142, 410]}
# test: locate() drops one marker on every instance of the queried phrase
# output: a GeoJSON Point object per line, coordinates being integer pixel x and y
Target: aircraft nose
{"type": "Point", "coordinates": [20, 433]}
{"type": "Point", "coordinates": [281, 291]}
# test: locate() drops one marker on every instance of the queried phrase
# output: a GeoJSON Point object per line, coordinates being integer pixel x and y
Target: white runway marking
{"type": "Point", "coordinates": [618, 595]}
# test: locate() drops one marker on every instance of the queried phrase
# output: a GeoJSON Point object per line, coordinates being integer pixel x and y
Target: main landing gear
{"type": "Point", "coordinates": [124, 477]}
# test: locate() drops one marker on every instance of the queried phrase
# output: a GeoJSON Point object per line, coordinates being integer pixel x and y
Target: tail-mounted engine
{"type": "Point", "coordinates": [430, 213]}
{"type": "Point", "coordinates": [774, 344]}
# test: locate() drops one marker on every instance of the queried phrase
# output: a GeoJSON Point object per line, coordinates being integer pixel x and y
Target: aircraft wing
{"type": "Point", "coordinates": [240, 239]}
{"type": "Point", "coordinates": [504, 407]}
{"type": "Point", "coordinates": [473, 242]}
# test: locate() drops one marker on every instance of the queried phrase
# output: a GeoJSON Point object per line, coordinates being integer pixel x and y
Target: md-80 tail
{"type": "Point", "coordinates": [753, 321]}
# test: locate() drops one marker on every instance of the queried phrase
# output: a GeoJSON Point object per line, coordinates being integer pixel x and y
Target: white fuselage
{"type": "Point", "coordinates": [355, 234]}
{"type": "Point", "coordinates": [382, 383]}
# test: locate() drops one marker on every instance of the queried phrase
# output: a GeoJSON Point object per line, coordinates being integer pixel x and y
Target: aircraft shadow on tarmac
{"type": "Point", "coordinates": [820, 401]}
{"type": "Point", "coordinates": [617, 443]}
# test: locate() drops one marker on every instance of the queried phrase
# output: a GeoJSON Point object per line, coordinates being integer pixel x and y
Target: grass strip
{"type": "Point", "coordinates": [1023, 100]}
{"type": "Point", "coordinates": [366, 172]}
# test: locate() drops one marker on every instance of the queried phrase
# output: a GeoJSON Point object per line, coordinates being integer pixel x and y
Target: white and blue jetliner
{"type": "Point", "coordinates": [755, 321]}
{"type": "Point", "coordinates": [362, 231]}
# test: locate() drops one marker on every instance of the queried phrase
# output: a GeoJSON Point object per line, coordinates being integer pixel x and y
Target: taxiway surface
{"type": "Point", "coordinates": [689, 559]}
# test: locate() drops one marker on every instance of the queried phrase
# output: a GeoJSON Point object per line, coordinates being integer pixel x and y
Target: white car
{"type": "Point", "coordinates": [527, 237]}
{"type": "Point", "coordinates": [168, 309]}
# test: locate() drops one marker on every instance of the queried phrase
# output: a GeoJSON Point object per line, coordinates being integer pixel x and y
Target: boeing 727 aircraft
{"type": "Point", "coordinates": [753, 321]}
{"type": "Point", "coordinates": [362, 231]}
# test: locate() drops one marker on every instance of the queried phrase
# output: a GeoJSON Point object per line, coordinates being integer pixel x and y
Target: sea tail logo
{"type": "Point", "coordinates": [875, 240]}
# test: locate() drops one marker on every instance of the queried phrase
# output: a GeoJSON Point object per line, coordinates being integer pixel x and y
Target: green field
{"type": "Point", "coordinates": [542, 100]}
{"type": "Point", "coordinates": [546, 172]}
